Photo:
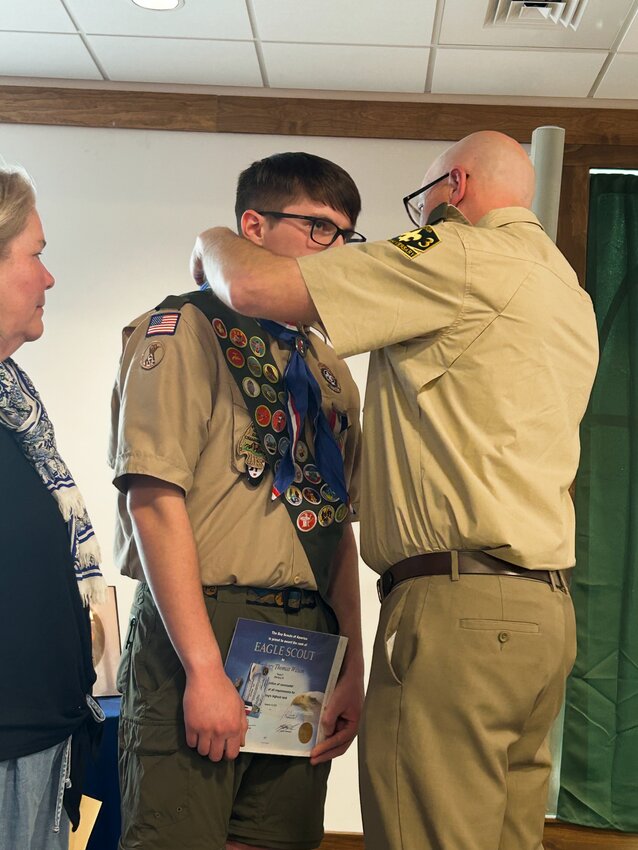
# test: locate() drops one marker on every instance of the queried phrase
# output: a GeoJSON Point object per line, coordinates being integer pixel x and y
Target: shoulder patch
{"type": "Point", "coordinates": [416, 242]}
{"type": "Point", "coordinates": [162, 324]}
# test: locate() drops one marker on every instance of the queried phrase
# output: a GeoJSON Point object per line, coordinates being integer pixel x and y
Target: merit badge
{"type": "Point", "coordinates": [329, 494]}
{"type": "Point", "coordinates": [249, 448]}
{"type": "Point", "coordinates": [329, 377]}
{"type": "Point", "coordinates": [162, 324]}
{"type": "Point", "coordinates": [254, 366]}
{"type": "Point", "coordinates": [270, 373]}
{"type": "Point", "coordinates": [235, 357]}
{"type": "Point", "coordinates": [298, 474]}
{"type": "Point", "coordinates": [326, 516]}
{"type": "Point", "coordinates": [251, 387]}
{"type": "Point", "coordinates": [283, 445]}
{"type": "Point", "coordinates": [220, 328]}
{"type": "Point", "coordinates": [268, 393]}
{"type": "Point", "coordinates": [262, 415]}
{"type": "Point", "coordinates": [416, 242]}
{"type": "Point", "coordinates": [278, 421]}
{"type": "Point", "coordinates": [341, 513]}
{"type": "Point", "coordinates": [306, 520]}
{"type": "Point", "coordinates": [270, 444]}
{"type": "Point", "coordinates": [283, 398]}
{"type": "Point", "coordinates": [311, 496]}
{"type": "Point", "coordinates": [301, 452]}
{"type": "Point", "coordinates": [153, 355]}
{"type": "Point", "coordinates": [312, 474]}
{"type": "Point", "coordinates": [238, 338]}
{"type": "Point", "coordinates": [257, 346]}
{"type": "Point", "coordinates": [293, 495]}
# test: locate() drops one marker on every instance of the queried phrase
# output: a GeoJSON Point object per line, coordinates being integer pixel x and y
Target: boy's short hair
{"type": "Point", "coordinates": [276, 181]}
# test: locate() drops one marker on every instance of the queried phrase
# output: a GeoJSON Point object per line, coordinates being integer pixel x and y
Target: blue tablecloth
{"type": "Point", "coordinates": [102, 781]}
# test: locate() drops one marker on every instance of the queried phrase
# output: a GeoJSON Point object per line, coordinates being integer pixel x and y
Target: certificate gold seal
{"type": "Point", "coordinates": [305, 732]}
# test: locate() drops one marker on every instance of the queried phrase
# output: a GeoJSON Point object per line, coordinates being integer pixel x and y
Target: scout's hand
{"type": "Point", "coordinates": [340, 719]}
{"type": "Point", "coordinates": [214, 716]}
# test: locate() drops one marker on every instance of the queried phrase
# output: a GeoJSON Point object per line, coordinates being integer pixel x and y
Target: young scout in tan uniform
{"type": "Point", "coordinates": [484, 350]}
{"type": "Point", "coordinates": [199, 528]}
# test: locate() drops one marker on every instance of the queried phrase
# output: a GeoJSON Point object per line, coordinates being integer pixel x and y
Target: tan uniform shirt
{"type": "Point", "coordinates": [484, 349]}
{"type": "Point", "coordinates": [178, 415]}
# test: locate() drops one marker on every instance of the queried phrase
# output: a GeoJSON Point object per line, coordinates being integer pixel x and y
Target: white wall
{"type": "Point", "coordinates": [121, 209]}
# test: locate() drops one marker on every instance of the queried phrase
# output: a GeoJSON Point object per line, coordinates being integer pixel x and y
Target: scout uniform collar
{"type": "Point", "coordinates": [446, 212]}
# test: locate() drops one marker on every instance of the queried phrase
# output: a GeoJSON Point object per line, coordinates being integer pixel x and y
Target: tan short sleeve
{"type": "Point", "coordinates": [162, 401]}
{"type": "Point", "coordinates": [373, 295]}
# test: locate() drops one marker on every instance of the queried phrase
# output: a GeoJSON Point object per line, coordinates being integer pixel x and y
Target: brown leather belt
{"type": "Point", "coordinates": [469, 563]}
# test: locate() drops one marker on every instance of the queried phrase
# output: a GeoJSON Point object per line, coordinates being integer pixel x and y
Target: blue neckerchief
{"type": "Point", "coordinates": [304, 399]}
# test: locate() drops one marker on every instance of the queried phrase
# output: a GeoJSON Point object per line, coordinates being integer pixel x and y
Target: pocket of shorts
{"type": "Point", "coordinates": [155, 779]}
{"type": "Point", "coordinates": [500, 625]}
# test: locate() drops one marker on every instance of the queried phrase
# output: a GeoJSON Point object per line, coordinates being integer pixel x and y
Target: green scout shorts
{"type": "Point", "coordinates": [175, 799]}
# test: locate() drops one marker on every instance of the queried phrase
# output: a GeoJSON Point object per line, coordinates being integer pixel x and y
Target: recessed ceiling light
{"type": "Point", "coordinates": [159, 5]}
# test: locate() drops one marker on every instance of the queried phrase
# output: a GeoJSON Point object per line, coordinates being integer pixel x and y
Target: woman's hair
{"type": "Point", "coordinates": [17, 200]}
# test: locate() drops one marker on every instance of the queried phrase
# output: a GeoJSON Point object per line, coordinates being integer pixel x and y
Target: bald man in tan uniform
{"type": "Point", "coordinates": [484, 350]}
{"type": "Point", "coordinates": [199, 528]}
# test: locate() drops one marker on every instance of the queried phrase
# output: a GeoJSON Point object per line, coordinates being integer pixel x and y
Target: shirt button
{"type": "Point", "coordinates": [296, 580]}
{"type": "Point", "coordinates": [503, 637]}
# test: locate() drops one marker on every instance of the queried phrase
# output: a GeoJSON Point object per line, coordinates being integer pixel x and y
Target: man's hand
{"type": "Point", "coordinates": [199, 251]}
{"type": "Point", "coordinates": [214, 716]}
{"type": "Point", "coordinates": [340, 719]}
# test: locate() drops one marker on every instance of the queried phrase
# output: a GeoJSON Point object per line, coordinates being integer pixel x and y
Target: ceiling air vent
{"type": "Point", "coordinates": [533, 13]}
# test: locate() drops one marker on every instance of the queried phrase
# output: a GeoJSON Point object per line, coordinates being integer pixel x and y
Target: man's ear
{"type": "Point", "coordinates": [458, 183]}
{"type": "Point", "coordinates": [252, 227]}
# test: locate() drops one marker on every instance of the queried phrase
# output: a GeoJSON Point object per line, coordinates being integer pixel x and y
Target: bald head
{"type": "Point", "coordinates": [488, 170]}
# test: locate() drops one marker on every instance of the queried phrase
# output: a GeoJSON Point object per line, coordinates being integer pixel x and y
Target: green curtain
{"type": "Point", "coordinates": [599, 772]}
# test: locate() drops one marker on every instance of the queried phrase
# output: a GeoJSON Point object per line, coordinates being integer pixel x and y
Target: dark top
{"type": "Point", "coordinates": [45, 635]}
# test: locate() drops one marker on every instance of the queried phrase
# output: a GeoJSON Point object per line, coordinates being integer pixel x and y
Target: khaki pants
{"type": "Point", "coordinates": [467, 678]}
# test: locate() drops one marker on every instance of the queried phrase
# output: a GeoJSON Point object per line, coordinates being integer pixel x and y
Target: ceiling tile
{"type": "Point", "coordinates": [173, 60]}
{"type": "Point", "coordinates": [464, 23]}
{"type": "Point", "coordinates": [540, 73]}
{"type": "Point", "coordinates": [354, 68]}
{"type": "Point", "coordinates": [629, 43]}
{"type": "Point", "coordinates": [196, 19]}
{"type": "Point", "coordinates": [346, 21]}
{"type": "Point", "coordinates": [621, 77]}
{"type": "Point", "coordinates": [35, 15]}
{"type": "Point", "coordinates": [24, 54]}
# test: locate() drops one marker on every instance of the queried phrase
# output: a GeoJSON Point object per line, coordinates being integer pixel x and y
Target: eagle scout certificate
{"type": "Point", "coordinates": [285, 677]}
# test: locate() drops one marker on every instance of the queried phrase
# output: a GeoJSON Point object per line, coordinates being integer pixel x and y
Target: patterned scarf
{"type": "Point", "coordinates": [22, 412]}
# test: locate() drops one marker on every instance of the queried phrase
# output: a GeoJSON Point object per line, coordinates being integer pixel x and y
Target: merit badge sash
{"type": "Point", "coordinates": [313, 506]}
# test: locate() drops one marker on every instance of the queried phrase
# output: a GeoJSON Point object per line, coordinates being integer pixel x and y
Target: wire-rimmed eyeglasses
{"type": "Point", "coordinates": [322, 231]}
{"type": "Point", "coordinates": [414, 210]}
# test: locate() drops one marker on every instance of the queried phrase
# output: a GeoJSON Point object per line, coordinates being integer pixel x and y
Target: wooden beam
{"type": "Point", "coordinates": [106, 108]}
{"type": "Point", "coordinates": [306, 116]}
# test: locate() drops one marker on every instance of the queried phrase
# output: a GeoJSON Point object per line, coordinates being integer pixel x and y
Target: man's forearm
{"type": "Point", "coordinates": [250, 279]}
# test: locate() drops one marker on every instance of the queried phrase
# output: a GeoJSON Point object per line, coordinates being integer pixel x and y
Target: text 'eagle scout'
{"type": "Point", "coordinates": [416, 242]}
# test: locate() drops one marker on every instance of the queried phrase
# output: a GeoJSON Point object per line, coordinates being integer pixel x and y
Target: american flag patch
{"type": "Point", "coordinates": [163, 323]}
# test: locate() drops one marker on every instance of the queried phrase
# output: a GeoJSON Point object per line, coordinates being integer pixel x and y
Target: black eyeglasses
{"type": "Point", "coordinates": [414, 210]}
{"type": "Point", "coordinates": [322, 231]}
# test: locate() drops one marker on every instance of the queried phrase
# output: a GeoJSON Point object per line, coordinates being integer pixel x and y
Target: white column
{"type": "Point", "coordinates": [547, 157]}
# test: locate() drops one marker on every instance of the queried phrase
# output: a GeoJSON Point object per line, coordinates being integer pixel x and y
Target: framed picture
{"type": "Point", "coordinates": [105, 634]}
